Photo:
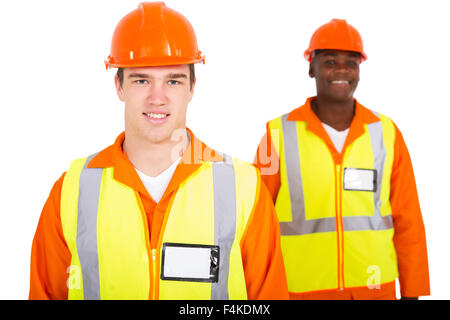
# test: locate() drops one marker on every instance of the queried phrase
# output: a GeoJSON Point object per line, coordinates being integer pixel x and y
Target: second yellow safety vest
{"type": "Point", "coordinates": [105, 227]}
{"type": "Point", "coordinates": [335, 219]}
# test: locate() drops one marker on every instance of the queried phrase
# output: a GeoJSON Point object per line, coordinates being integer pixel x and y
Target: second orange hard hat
{"type": "Point", "coordinates": [336, 35]}
{"type": "Point", "coordinates": [153, 35]}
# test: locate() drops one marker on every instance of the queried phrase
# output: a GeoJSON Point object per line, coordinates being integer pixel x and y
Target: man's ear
{"type": "Point", "coordinates": [119, 89]}
{"type": "Point", "coordinates": [192, 89]}
{"type": "Point", "coordinates": [311, 70]}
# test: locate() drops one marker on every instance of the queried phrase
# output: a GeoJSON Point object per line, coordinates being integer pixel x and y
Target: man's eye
{"type": "Point", "coordinates": [330, 62]}
{"type": "Point", "coordinates": [173, 82]}
{"type": "Point", "coordinates": [141, 82]}
{"type": "Point", "coordinates": [352, 64]}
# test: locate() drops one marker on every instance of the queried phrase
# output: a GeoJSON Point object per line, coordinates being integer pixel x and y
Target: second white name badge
{"type": "Point", "coordinates": [360, 179]}
{"type": "Point", "coordinates": [190, 262]}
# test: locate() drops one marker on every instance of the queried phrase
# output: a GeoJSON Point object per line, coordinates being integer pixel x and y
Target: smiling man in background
{"type": "Point", "coordinates": [343, 185]}
{"type": "Point", "coordinates": [158, 214]}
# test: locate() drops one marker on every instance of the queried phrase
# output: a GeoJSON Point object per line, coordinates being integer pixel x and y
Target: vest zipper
{"type": "Point", "coordinates": [154, 274]}
{"type": "Point", "coordinates": [340, 228]}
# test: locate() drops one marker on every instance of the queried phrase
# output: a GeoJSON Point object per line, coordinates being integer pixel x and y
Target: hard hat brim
{"type": "Point", "coordinates": [153, 62]}
{"type": "Point", "coordinates": [308, 54]}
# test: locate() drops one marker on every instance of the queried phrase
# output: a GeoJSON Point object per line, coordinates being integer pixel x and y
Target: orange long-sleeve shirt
{"type": "Point", "coordinates": [409, 232]}
{"type": "Point", "coordinates": [260, 246]}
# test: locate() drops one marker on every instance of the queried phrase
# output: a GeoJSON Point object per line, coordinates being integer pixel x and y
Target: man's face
{"type": "Point", "coordinates": [156, 100]}
{"type": "Point", "coordinates": [336, 73]}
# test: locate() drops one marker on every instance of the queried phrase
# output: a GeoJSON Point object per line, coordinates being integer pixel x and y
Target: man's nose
{"type": "Point", "coordinates": [157, 94]}
{"type": "Point", "coordinates": [342, 66]}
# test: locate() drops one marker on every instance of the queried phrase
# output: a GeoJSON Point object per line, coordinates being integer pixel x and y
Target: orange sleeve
{"type": "Point", "coordinates": [268, 163]}
{"type": "Point", "coordinates": [50, 256]}
{"type": "Point", "coordinates": [409, 235]}
{"type": "Point", "coordinates": [262, 258]}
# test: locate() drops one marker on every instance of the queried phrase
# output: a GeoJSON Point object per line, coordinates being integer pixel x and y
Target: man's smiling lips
{"type": "Point", "coordinates": [340, 82]}
{"type": "Point", "coordinates": [156, 117]}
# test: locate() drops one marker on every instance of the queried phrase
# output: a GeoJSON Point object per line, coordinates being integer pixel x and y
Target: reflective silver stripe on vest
{"type": "Point", "coordinates": [224, 225]}
{"type": "Point", "coordinates": [299, 225]}
{"type": "Point", "coordinates": [377, 221]}
{"type": "Point", "coordinates": [224, 221]}
{"type": "Point", "coordinates": [89, 190]}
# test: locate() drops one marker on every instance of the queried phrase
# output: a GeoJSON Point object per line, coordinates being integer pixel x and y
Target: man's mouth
{"type": "Point", "coordinates": [340, 82]}
{"type": "Point", "coordinates": [157, 115]}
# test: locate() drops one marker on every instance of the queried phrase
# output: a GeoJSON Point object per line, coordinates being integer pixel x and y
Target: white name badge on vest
{"type": "Point", "coordinates": [360, 179]}
{"type": "Point", "coordinates": [190, 262]}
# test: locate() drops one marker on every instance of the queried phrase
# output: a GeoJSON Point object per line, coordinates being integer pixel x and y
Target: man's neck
{"type": "Point", "coordinates": [336, 114]}
{"type": "Point", "coordinates": [153, 158]}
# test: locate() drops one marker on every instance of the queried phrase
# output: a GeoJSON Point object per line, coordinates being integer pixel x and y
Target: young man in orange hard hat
{"type": "Point", "coordinates": [158, 214]}
{"type": "Point", "coordinates": [343, 186]}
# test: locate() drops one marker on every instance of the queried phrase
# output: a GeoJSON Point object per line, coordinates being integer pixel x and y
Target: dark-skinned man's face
{"type": "Point", "coordinates": [336, 73]}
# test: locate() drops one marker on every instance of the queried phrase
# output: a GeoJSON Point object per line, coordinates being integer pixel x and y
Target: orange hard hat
{"type": "Point", "coordinates": [336, 35]}
{"type": "Point", "coordinates": [153, 35]}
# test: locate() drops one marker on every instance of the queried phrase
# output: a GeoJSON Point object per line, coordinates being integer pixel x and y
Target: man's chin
{"type": "Point", "coordinates": [158, 135]}
{"type": "Point", "coordinates": [340, 97]}
{"type": "Point", "coordinates": [157, 138]}
{"type": "Point", "coordinates": [165, 136]}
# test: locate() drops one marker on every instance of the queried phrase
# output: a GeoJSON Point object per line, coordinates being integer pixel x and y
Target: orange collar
{"type": "Point", "coordinates": [362, 116]}
{"type": "Point", "coordinates": [124, 171]}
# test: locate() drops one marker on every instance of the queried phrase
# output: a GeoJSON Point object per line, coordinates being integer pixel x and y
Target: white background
{"type": "Point", "coordinates": [58, 103]}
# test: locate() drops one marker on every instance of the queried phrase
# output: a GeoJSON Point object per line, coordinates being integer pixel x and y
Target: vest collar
{"type": "Point", "coordinates": [362, 116]}
{"type": "Point", "coordinates": [124, 171]}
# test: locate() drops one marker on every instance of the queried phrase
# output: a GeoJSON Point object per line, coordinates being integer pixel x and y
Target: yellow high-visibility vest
{"type": "Point", "coordinates": [336, 226]}
{"type": "Point", "coordinates": [105, 227]}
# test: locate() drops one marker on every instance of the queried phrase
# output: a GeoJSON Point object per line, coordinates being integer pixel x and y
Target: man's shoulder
{"type": "Point", "coordinates": [301, 113]}
{"type": "Point", "coordinates": [286, 115]}
{"type": "Point", "coordinates": [368, 110]}
{"type": "Point", "coordinates": [240, 166]}
{"type": "Point", "coordinates": [99, 159]}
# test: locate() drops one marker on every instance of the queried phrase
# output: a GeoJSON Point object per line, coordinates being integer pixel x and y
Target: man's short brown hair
{"type": "Point", "coordinates": [191, 75]}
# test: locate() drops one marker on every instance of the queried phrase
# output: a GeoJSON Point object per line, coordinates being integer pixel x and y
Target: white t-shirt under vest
{"type": "Point", "coordinates": [338, 137]}
{"type": "Point", "coordinates": [157, 185]}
